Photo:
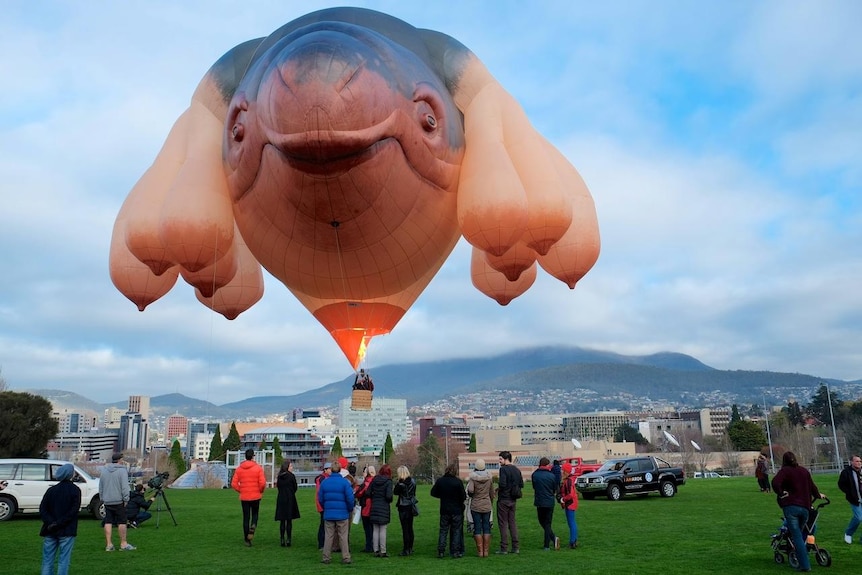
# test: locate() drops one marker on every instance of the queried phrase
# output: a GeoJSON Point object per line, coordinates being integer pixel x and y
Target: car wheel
{"type": "Point", "coordinates": [7, 508]}
{"type": "Point", "coordinates": [97, 508]}
{"type": "Point", "coordinates": [668, 489]}
{"type": "Point", "coordinates": [615, 493]}
{"type": "Point", "coordinates": [779, 558]}
{"type": "Point", "coordinates": [824, 558]}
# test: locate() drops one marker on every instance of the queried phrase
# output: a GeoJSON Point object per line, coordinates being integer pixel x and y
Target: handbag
{"type": "Point", "coordinates": [414, 507]}
{"type": "Point", "coordinates": [357, 514]}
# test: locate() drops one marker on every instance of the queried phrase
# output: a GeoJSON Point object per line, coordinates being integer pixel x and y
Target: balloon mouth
{"type": "Point", "coordinates": [328, 152]}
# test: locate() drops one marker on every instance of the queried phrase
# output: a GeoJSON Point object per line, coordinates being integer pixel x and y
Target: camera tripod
{"type": "Point", "coordinates": [160, 496]}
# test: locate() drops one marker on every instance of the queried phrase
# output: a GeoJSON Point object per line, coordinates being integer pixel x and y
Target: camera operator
{"type": "Point", "coordinates": [136, 508]}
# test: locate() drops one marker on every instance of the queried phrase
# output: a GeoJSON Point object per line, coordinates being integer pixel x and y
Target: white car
{"type": "Point", "coordinates": [707, 475]}
{"type": "Point", "coordinates": [23, 483]}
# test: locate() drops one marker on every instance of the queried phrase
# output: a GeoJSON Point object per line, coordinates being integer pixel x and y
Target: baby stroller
{"type": "Point", "coordinates": [782, 545]}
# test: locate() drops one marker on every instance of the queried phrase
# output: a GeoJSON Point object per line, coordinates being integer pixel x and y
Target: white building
{"type": "Point", "coordinates": [387, 416]}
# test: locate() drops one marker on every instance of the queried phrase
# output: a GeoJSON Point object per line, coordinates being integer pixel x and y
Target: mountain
{"type": "Point", "coordinates": [612, 380]}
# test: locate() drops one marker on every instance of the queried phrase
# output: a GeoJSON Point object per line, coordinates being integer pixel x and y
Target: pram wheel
{"type": "Point", "coordinates": [824, 558]}
{"type": "Point", "coordinates": [793, 559]}
{"type": "Point", "coordinates": [779, 558]}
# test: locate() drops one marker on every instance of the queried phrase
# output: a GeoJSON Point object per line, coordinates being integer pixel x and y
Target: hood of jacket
{"type": "Point", "coordinates": [482, 475]}
{"type": "Point", "coordinates": [247, 463]}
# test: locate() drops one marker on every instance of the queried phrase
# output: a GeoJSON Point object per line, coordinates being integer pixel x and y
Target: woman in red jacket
{"type": "Point", "coordinates": [249, 481]}
{"type": "Point", "coordinates": [569, 501]}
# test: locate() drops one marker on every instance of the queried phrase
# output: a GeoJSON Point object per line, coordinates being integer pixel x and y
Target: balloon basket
{"type": "Point", "coordinates": [361, 400]}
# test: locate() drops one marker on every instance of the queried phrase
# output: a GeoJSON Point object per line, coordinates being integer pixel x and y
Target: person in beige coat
{"type": "Point", "coordinates": [481, 491]}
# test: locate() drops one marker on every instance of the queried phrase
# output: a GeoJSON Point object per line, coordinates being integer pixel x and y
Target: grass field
{"type": "Point", "coordinates": [711, 526]}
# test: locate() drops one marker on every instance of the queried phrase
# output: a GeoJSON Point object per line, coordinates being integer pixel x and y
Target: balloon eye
{"type": "Point", "coordinates": [430, 122]}
{"type": "Point", "coordinates": [238, 132]}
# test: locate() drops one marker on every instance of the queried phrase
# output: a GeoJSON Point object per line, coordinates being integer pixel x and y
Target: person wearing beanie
{"type": "Point", "coordinates": [249, 481]}
{"type": "Point", "coordinates": [59, 511]}
{"type": "Point", "coordinates": [545, 488]}
{"type": "Point", "coordinates": [481, 492]}
{"type": "Point", "coordinates": [114, 493]}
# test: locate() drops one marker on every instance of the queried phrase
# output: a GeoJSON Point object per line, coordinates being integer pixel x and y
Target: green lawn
{"type": "Point", "coordinates": [711, 526]}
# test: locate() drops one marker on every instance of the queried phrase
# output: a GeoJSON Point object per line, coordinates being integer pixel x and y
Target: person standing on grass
{"type": "Point", "coordinates": [59, 511]}
{"type": "Point", "coordinates": [509, 490]}
{"type": "Point", "coordinates": [405, 489]}
{"type": "Point", "coordinates": [321, 529]}
{"type": "Point", "coordinates": [361, 494]}
{"type": "Point", "coordinates": [114, 493]}
{"type": "Point", "coordinates": [380, 491]}
{"type": "Point", "coordinates": [569, 502]}
{"type": "Point", "coordinates": [761, 472]}
{"type": "Point", "coordinates": [850, 483]}
{"type": "Point", "coordinates": [335, 497]}
{"type": "Point", "coordinates": [796, 490]}
{"type": "Point", "coordinates": [450, 491]}
{"type": "Point", "coordinates": [286, 508]}
{"type": "Point", "coordinates": [480, 489]}
{"type": "Point", "coordinates": [249, 481]}
{"type": "Point", "coordinates": [546, 488]}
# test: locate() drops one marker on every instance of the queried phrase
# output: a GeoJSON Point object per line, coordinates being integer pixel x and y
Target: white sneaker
{"type": "Point", "coordinates": [848, 540]}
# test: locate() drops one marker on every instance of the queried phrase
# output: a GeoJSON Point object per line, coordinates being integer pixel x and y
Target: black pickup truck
{"type": "Point", "coordinates": [631, 476]}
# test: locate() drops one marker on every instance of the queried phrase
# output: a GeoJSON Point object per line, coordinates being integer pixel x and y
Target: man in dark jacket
{"type": "Point", "coordinates": [546, 488]}
{"type": "Point", "coordinates": [850, 482]}
{"type": "Point", "coordinates": [509, 491]}
{"type": "Point", "coordinates": [136, 508]}
{"type": "Point", "coordinates": [335, 497]}
{"type": "Point", "coordinates": [451, 493]}
{"type": "Point", "coordinates": [59, 511]}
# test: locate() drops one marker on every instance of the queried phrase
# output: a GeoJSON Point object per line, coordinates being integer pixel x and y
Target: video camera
{"type": "Point", "coordinates": [157, 482]}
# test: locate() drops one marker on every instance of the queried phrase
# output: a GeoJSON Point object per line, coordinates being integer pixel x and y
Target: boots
{"type": "Point", "coordinates": [486, 544]}
{"type": "Point", "coordinates": [479, 544]}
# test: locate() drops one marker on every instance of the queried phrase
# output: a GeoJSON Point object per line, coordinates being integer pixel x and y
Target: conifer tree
{"type": "Point", "coordinates": [472, 447]}
{"type": "Point", "coordinates": [388, 449]}
{"type": "Point", "coordinates": [175, 459]}
{"type": "Point", "coordinates": [276, 448]}
{"type": "Point", "coordinates": [232, 442]}
{"type": "Point", "coordinates": [336, 450]}
{"type": "Point", "coordinates": [216, 448]}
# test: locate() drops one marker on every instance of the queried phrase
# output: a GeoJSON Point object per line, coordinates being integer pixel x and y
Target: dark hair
{"type": "Point", "coordinates": [385, 471]}
{"type": "Point", "coordinates": [451, 470]}
{"type": "Point", "coordinates": [506, 455]}
{"type": "Point", "coordinates": [249, 453]}
{"type": "Point", "coordinates": [139, 487]}
{"type": "Point", "coordinates": [789, 459]}
{"type": "Point", "coordinates": [544, 462]}
{"type": "Point", "coordinates": [285, 466]}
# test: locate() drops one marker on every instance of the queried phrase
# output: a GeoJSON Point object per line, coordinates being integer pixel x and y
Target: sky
{"type": "Point", "coordinates": [721, 140]}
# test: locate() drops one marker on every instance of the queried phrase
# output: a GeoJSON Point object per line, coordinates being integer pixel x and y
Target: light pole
{"type": "Point", "coordinates": [769, 438]}
{"type": "Point", "coordinates": [834, 432]}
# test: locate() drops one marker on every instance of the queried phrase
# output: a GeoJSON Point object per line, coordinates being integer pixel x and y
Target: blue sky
{"type": "Point", "coordinates": [721, 142]}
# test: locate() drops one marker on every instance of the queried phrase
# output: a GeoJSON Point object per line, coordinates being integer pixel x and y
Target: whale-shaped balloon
{"type": "Point", "coordinates": [347, 153]}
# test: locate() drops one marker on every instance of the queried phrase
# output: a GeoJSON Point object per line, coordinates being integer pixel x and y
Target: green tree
{"type": "Point", "coordinates": [216, 448]}
{"type": "Point", "coordinates": [276, 448]}
{"type": "Point", "coordinates": [819, 406]}
{"type": "Point", "coordinates": [625, 432]}
{"type": "Point", "coordinates": [431, 459]}
{"type": "Point", "coordinates": [26, 424]}
{"type": "Point", "coordinates": [175, 459]}
{"type": "Point", "coordinates": [734, 414]}
{"type": "Point", "coordinates": [232, 441]}
{"type": "Point", "coordinates": [746, 435]}
{"type": "Point", "coordinates": [794, 413]}
{"type": "Point", "coordinates": [472, 447]}
{"type": "Point", "coordinates": [262, 445]}
{"type": "Point", "coordinates": [336, 450]}
{"type": "Point", "coordinates": [388, 449]}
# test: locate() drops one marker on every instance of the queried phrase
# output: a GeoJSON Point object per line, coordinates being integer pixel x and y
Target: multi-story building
{"type": "Point", "coordinates": [387, 416]}
{"type": "Point", "coordinates": [196, 428]}
{"type": "Point", "coordinates": [75, 422]}
{"type": "Point", "coordinates": [303, 447]}
{"type": "Point", "coordinates": [599, 425]}
{"type": "Point", "coordinates": [112, 418]}
{"type": "Point", "coordinates": [140, 404]}
{"type": "Point", "coordinates": [88, 446]}
{"type": "Point", "coordinates": [533, 429]}
{"type": "Point", "coordinates": [444, 429]}
{"type": "Point", "coordinates": [133, 433]}
{"type": "Point", "coordinates": [176, 426]}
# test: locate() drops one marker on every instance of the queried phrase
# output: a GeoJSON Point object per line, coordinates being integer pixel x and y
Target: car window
{"type": "Point", "coordinates": [34, 472]}
{"type": "Point", "coordinates": [7, 470]}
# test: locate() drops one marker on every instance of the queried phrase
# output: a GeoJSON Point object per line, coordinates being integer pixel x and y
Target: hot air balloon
{"type": "Point", "coordinates": [346, 153]}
